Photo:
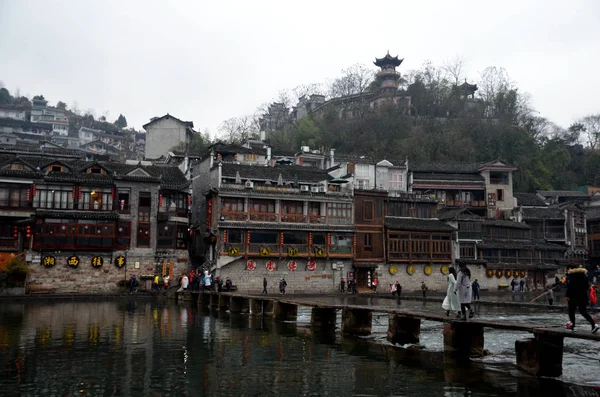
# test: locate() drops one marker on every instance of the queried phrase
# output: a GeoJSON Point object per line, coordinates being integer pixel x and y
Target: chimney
{"type": "Point", "coordinates": [268, 155]}
{"type": "Point", "coordinates": [263, 135]}
{"type": "Point", "coordinates": [331, 158]}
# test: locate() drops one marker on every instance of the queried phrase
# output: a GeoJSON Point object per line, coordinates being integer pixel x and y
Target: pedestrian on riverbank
{"type": "Point", "coordinates": [551, 295]}
{"type": "Point", "coordinates": [374, 285]}
{"type": "Point", "coordinates": [398, 289]}
{"type": "Point", "coordinates": [424, 289]}
{"type": "Point", "coordinates": [342, 285]}
{"type": "Point", "coordinates": [166, 282]}
{"type": "Point", "coordinates": [133, 284]}
{"type": "Point", "coordinates": [593, 296]}
{"type": "Point", "coordinates": [155, 282]}
{"type": "Point", "coordinates": [450, 303]}
{"type": "Point", "coordinates": [264, 291]}
{"type": "Point", "coordinates": [522, 285]}
{"type": "Point", "coordinates": [393, 289]}
{"type": "Point", "coordinates": [513, 285]}
{"type": "Point", "coordinates": [577, 296]}
{"type": "Point", "coordinates": [228, 285]}
{"type": "Point", "coordinates": [463, 287]}
{"type": "Point", "coordinates": [476, 289]}
{"type": "Point", "coordinates": [282, 285]}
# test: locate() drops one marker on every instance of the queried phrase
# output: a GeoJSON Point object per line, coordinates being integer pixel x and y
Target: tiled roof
{"type": "Point", "coordinates": [417, 224]}
{"type": "Point", "coordinates": [529, 200]}
{"type": "Point", "coordinates": [563, 193]}
{"type": "Point", "coordinates": [221, 147]}
{"type": "Point", "coordinates": [467, 177]}
{"type": "Point", "coordinates": [543, 213]}
{"type": "Point", "coordinates": [167, 116]}
{"type": "Point", "coordinates": [446, 168]}
{"type": "Point", "coordinates": [288, 173]}
{"type": "Point", "coordinates": [69, 214]}
{"type": "Point", "coordinates": [511, 224]}
{"type": "Point", "coordinates": [592, 213]}
{"type": "Point", "coordinates": [447, 214]}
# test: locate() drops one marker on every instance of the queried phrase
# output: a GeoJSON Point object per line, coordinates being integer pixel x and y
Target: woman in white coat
{"type": "Point", "coordinates": [463, 288]}
{"type": "Point", "coordinates": [450, 303]}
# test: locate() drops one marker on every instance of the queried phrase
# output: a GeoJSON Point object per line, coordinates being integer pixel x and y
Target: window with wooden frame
{"type": "Point", "coordinates": [143, 234]}
{"type": "Point", "coordinates": [367, 210]}
{"type": "Point", "coordinates": [232, 204]}
{"type": "Point", "coordinates": [339, 210]}
{"type": "Point", "coordinates": [467, 251]}
{"type": "Point", "coordinates": [144, 205]}
{"type": "Point", "coordinates": [367, 242]}
{"type": "Point", "coordinates": [500, 194]}
{"type": "Point", "coordinates": [262, 206]}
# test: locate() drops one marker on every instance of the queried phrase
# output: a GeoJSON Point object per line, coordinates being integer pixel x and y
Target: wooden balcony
{"type": "Point", "coordinates": [234, 216]}
{"type": "Point", "coordinates": [264, 217]}
{"type": "Point", "coordinates": [293, 218]}
{"type": "Point", "coordinates": [286, 250]}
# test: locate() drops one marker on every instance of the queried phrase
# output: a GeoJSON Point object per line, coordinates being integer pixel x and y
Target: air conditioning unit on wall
{"type": "Point", "coordinates": [249, 184]}
{"type": "Point", "coordinates": [322, 189]}
{"type": "Point", "coordinates": [314, 189]}
{"type": "Point", "coordinates": [304, 188]}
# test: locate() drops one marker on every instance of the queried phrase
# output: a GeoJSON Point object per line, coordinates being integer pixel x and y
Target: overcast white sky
{"type": "Point", "coordinates": [207, 61]}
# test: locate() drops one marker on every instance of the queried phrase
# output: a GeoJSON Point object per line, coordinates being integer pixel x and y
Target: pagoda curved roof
{"type": "Point", "coordinates": [388, 60]}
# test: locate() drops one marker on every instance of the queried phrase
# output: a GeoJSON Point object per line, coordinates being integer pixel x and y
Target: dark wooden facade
{"type": "Point", "coordinates": [369, 213]}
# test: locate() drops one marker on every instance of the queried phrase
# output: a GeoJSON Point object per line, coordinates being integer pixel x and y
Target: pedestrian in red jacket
{"type": "Point", "coordinates": [592, 296]}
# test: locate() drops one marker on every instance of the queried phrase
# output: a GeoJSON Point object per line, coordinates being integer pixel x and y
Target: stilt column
{"type": "Point", "coordinates": [541, 355]}
{"type": "Point", "coordinates": [403, 330]}
{"type": "Point", "coordinates": [356, 321]}
{"type": "Point", "coordinates": [323, 317]}
{"type": "Point", "coordinates": [463, 339]}
{"type": "Point", "coordinates": [285, 311]}
{"type": "Point", "coordinates": [262, 307]}
{"type": "Point", "coordinates": [214, 300]}
{"type": "Point", "coordinates": [239, 305]}
{"type": "Point", "coordinates": [224, 302]}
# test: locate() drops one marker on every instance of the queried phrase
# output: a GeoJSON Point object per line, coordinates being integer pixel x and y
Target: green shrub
{"type": "Point", "coordinates": [14, 274]}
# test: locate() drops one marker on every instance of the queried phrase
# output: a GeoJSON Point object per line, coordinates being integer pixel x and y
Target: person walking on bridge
{"type": "Point", "coordinates": [264, 291]}
{"type": "Point", "coordinates": [450, 303]}
{"type": "Point", "coordinates": [463, 287]}
{"type": "Point", "coordinates": [577, 296]}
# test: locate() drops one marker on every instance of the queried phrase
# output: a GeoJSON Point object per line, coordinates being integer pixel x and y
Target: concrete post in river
{"type": "Point", "coordinates": [356, 321]}
{"type": "Point", "coordinates": [463, 339]}
{"type": "Point", "coordinates": [403, 329]}
{"type": "Point", "coordinates": [224, 302]}
{"type": "Point", "coordinates": [238, 305]}
{"type": "Point", "coordinates": [285, 311]}
{"type": "Point", "coordinates": [261, 307]}
{"type": "Point", "coordinates": [323, 317]}
{"type": "Point", "coordinates": [541, 355]}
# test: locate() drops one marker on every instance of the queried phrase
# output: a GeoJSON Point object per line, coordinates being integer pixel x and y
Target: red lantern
{"type": "Point", "coordinates": [328, 238]}
{"type": "Point", "coordinates": [225, 236]}
{"type": "Point", "coordinates": [79, 194]}
{"type": "Point", "coordinates": [73, 192]}
{"type": "Point", "coordinates": [28, 231]}
{"type": "Point", "coordinates": [28, 194]}
{"type": "Point", "coordinates": [112, 194]}
{"type": "Point", "coordinates": [160, 200]}
{"type": "Point", "coordinates": [15, 232]}
{"type": "Point", "coordinates": [33, 190]}
{"type": "Point", "coordinates": [310, 239]}
{"type": "Point", "coordinates": [354, 239]}
{"type": "Point", "coordinates": [189, 200]}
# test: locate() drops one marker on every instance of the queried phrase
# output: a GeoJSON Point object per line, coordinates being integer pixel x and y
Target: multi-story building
{"type": "Point", "coordinates": [86, 226]}
{"type": "Point", "coordinates": [273, 221]}
{"type": "Point", "coordinates": [42, 113]}
{"type": "Point", "coordinates": [166, 132]}
{"type": "Point", "coordinates": [485, 188]}
{"type": "Point", "coordinates": [563, 222]}
{"type": "Point", "coordinates": [12, 113]}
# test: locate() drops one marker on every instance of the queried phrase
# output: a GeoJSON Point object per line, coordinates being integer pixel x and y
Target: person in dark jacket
{"type": "Point", "coordinates": [264, 286]}
{"type": "Point", "coordinates": [577, 296]}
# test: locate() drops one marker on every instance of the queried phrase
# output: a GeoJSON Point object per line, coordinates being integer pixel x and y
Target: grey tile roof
{"type": "Point", "coordinates": [563, 193]}
{"type": "Point", "coordinates": [285, 226]}
{"type": "Point", "coordinates": [503, 223]}
{"type": "Point", "coordinates": [543, 213]}
{"type": "Point", "coordinates": [529, 200]}
{"type": "Point", "coordinates": [592, 213]}
{"type": "Point", "coordinates": [437, 176]}
{"type": "Point", "coordinates": [417, 224]}
{"type": "Point", "coordinates": [446, 214]}
{"type": "Point", "coordinates": [440, 167]}
{"type": "Point", "coordinates": [522, 244]}
{"type": "Point", "coordinates": [288, 173]}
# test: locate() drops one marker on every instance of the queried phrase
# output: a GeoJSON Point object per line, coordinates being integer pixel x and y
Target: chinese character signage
{"type": "Point", "coordinates": [97, 261]}
{"type": "Point", "coordinates": [48, 261]}
{"type": "Point", "coordinates": [120, 261]}
{"type": "Point", "coordinates": [73, 261]}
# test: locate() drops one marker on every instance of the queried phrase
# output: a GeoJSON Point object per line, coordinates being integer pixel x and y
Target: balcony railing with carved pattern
{"type": "Point", "coordinates": [293, 218]}
{"type": "Point", "coordinates": [263, 217]}
{"type": "Point", "coordinates": [234, 216]}
{"type": "Point", "coordinates": [317, 219]}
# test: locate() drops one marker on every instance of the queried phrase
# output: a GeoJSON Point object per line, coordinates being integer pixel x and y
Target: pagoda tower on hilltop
{"type": "Point", "coordinates": [388, 76]}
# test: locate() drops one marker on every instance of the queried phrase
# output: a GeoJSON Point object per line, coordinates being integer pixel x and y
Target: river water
{"type": "Point", "coordinates": [144, 347]}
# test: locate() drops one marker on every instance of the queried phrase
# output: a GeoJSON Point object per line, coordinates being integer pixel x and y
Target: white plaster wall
{"type": "Point", "coordinates": [163, 135]}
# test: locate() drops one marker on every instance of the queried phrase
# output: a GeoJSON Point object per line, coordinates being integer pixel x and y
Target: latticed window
{"type": "Point", "coordinates": [339, 210]}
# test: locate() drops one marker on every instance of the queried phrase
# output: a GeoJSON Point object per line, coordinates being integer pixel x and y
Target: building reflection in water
{"type": "Point", "coordinates": [145, 347]}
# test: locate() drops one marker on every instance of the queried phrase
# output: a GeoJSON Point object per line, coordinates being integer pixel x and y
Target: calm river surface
{"type": "Point", "coordinates": [144, 347]}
